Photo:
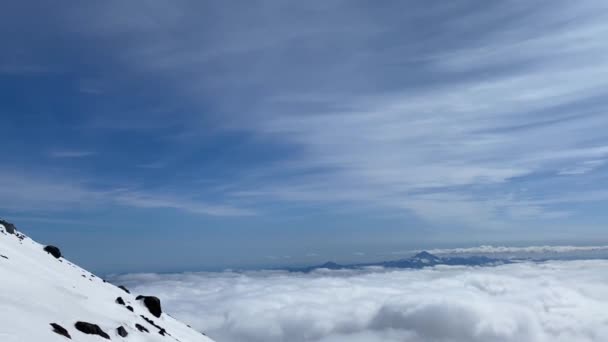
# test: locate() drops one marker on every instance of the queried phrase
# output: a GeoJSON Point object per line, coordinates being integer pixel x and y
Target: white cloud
{"type": "Point", "coordinates": [70, 154]}
{"type": "Point", "coordinates": [35, 192]}
{"type": "Point", "coordinates": [458, 137]}
{"type": "Point", "coordinates": [584, 167]}
{"type": "Point", "coordinates": [147, 200]}
{"type": "Point", "coordinates": [515, 250]}
{"type": "Point", "coordinates": [440, 124]}
{"type": "Point", "coordinates": [549, 302]}
{"type": "Point", "coordinates": [27, 192]}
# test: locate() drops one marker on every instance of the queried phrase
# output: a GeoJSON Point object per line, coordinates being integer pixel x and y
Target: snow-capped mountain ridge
{"type": "Point", "coordinates": [44, 297]}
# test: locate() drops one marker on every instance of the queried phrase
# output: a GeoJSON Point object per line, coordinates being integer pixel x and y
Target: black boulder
{"type": "Point", "coordinates": [120, 301]}
{"type": "Point", "coordinates": [91, 329]}
{"type": "Point", "coordinates": [124, 289]}
{"type": "Point", "coordinates": [60, 330]}
{"type": "Point", "coordinates": [54, 251]}
{"type": "Point", "coordinates": [141, 328]}
{"type": "Point", "coordinates": [9, 227]}
{"type": "Point", "coordinates": [121, 331]}
{"type": "Point", "coordinates": [153, 304]}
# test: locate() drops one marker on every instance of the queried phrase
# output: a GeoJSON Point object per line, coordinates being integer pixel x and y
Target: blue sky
{"type": "Point", "coordinates": [174, 135]}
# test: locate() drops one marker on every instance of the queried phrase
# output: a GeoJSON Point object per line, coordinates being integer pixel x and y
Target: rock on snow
{"type": "Point", "coordinates": [152, 303]}
{"type": "Point", "coordinates": [43, 298]}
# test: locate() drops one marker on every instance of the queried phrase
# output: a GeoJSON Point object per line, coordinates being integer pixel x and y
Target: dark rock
{"type": "Point", "coordinates": [54, 251]}
{"type": "Point", "coordinates": [91, 329]}
{"type": "Point", "coordinates": [4, 256]}
{"type": "Point", "coordinates": [120, 301]}
{"type": "Point", "coordinates": [153, 304]}
{"type": "Point", "coordinates": [121, 331]}
{"type": "Point", "coordinates": [150, 321]}
{"type": "Point", "coordinates": [162, 331]}
{"type": "Point", "coordinates": [130, 308]}
{"type": "Point", "coordinates": [141, 328]}
{"type": "Point", "coordinates": [60, 330]}
{"type": "Point", "coordinates": [9, 227]}
{"type": "Point", "coordinates": [124, 289]}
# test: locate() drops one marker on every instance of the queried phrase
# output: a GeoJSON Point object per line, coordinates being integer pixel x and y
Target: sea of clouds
{"type": "Point", "coordinates": [541, 302]}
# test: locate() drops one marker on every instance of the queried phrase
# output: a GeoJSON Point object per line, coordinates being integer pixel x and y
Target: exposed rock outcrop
{"type": "Point", "coordinates": [124, 288]}
{"type": "Point", "coordinates": [60, 330]}
{"type": "Point", "coordinates": [9, 227]}
{"type": "Point", "coordinates": [121, 331]}
{"type": "Point", "coordinates": [91, 329]}
{"type": "Point", "coordinates": [151, 322]}
{"type": "Point", "coordinates": [152, 303]}
{"type": "Point", "coordinates": [141, 328]}
{"type": "Point", "coordinates": [54, 251]}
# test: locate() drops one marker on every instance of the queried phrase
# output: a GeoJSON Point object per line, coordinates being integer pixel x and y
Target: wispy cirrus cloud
{"type": "Point", "coordinates": [44, 193]}
{"type": "Point", "coordinates": [365, 105]}
{"type": "Point", "coordinates": [70, 153]}
{"type": "Point", "coordinates": [146, 200]}
{"type": "Point", "coordinates": [432, 149]}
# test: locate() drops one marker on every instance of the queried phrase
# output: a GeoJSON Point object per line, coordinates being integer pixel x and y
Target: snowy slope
{"type": "Point", "coordinates": [37, 289]}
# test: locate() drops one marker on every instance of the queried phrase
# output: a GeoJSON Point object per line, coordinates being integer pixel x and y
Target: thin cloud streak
{"type": "Point", "coordinates": [70, 154]}
{"type": "Point", "coordinates": [29, 193]}
{"type": "Point", "coordinates": [518, 250]}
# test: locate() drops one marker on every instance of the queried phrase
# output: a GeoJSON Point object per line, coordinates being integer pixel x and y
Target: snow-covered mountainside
{"type": "Point", "coordinates": [47, 298]}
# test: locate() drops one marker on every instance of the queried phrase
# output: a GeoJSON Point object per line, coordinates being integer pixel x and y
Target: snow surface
{"type": "Point", "coordinates": [36, 289]}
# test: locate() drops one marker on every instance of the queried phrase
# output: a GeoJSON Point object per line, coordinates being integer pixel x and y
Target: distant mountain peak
{"type": "Point", "coordinates": [330, 265]}
{"type": "Point", "coordinates": [425, 255]}
{"type": "Point", "coordinates": [425, 258]}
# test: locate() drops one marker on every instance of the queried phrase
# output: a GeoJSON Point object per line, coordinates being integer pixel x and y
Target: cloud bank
{"type": "Point", "coordinates": [487, 249]}
{"type": "Point", "coordinates": [554, 301]}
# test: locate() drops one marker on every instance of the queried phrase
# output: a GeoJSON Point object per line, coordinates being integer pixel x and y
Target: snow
{"type": "Point", "coordinates": [36, 289]}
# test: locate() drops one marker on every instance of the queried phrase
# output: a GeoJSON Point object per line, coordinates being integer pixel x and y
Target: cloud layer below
{"type": "Point", "coordinates": [554, 301]}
